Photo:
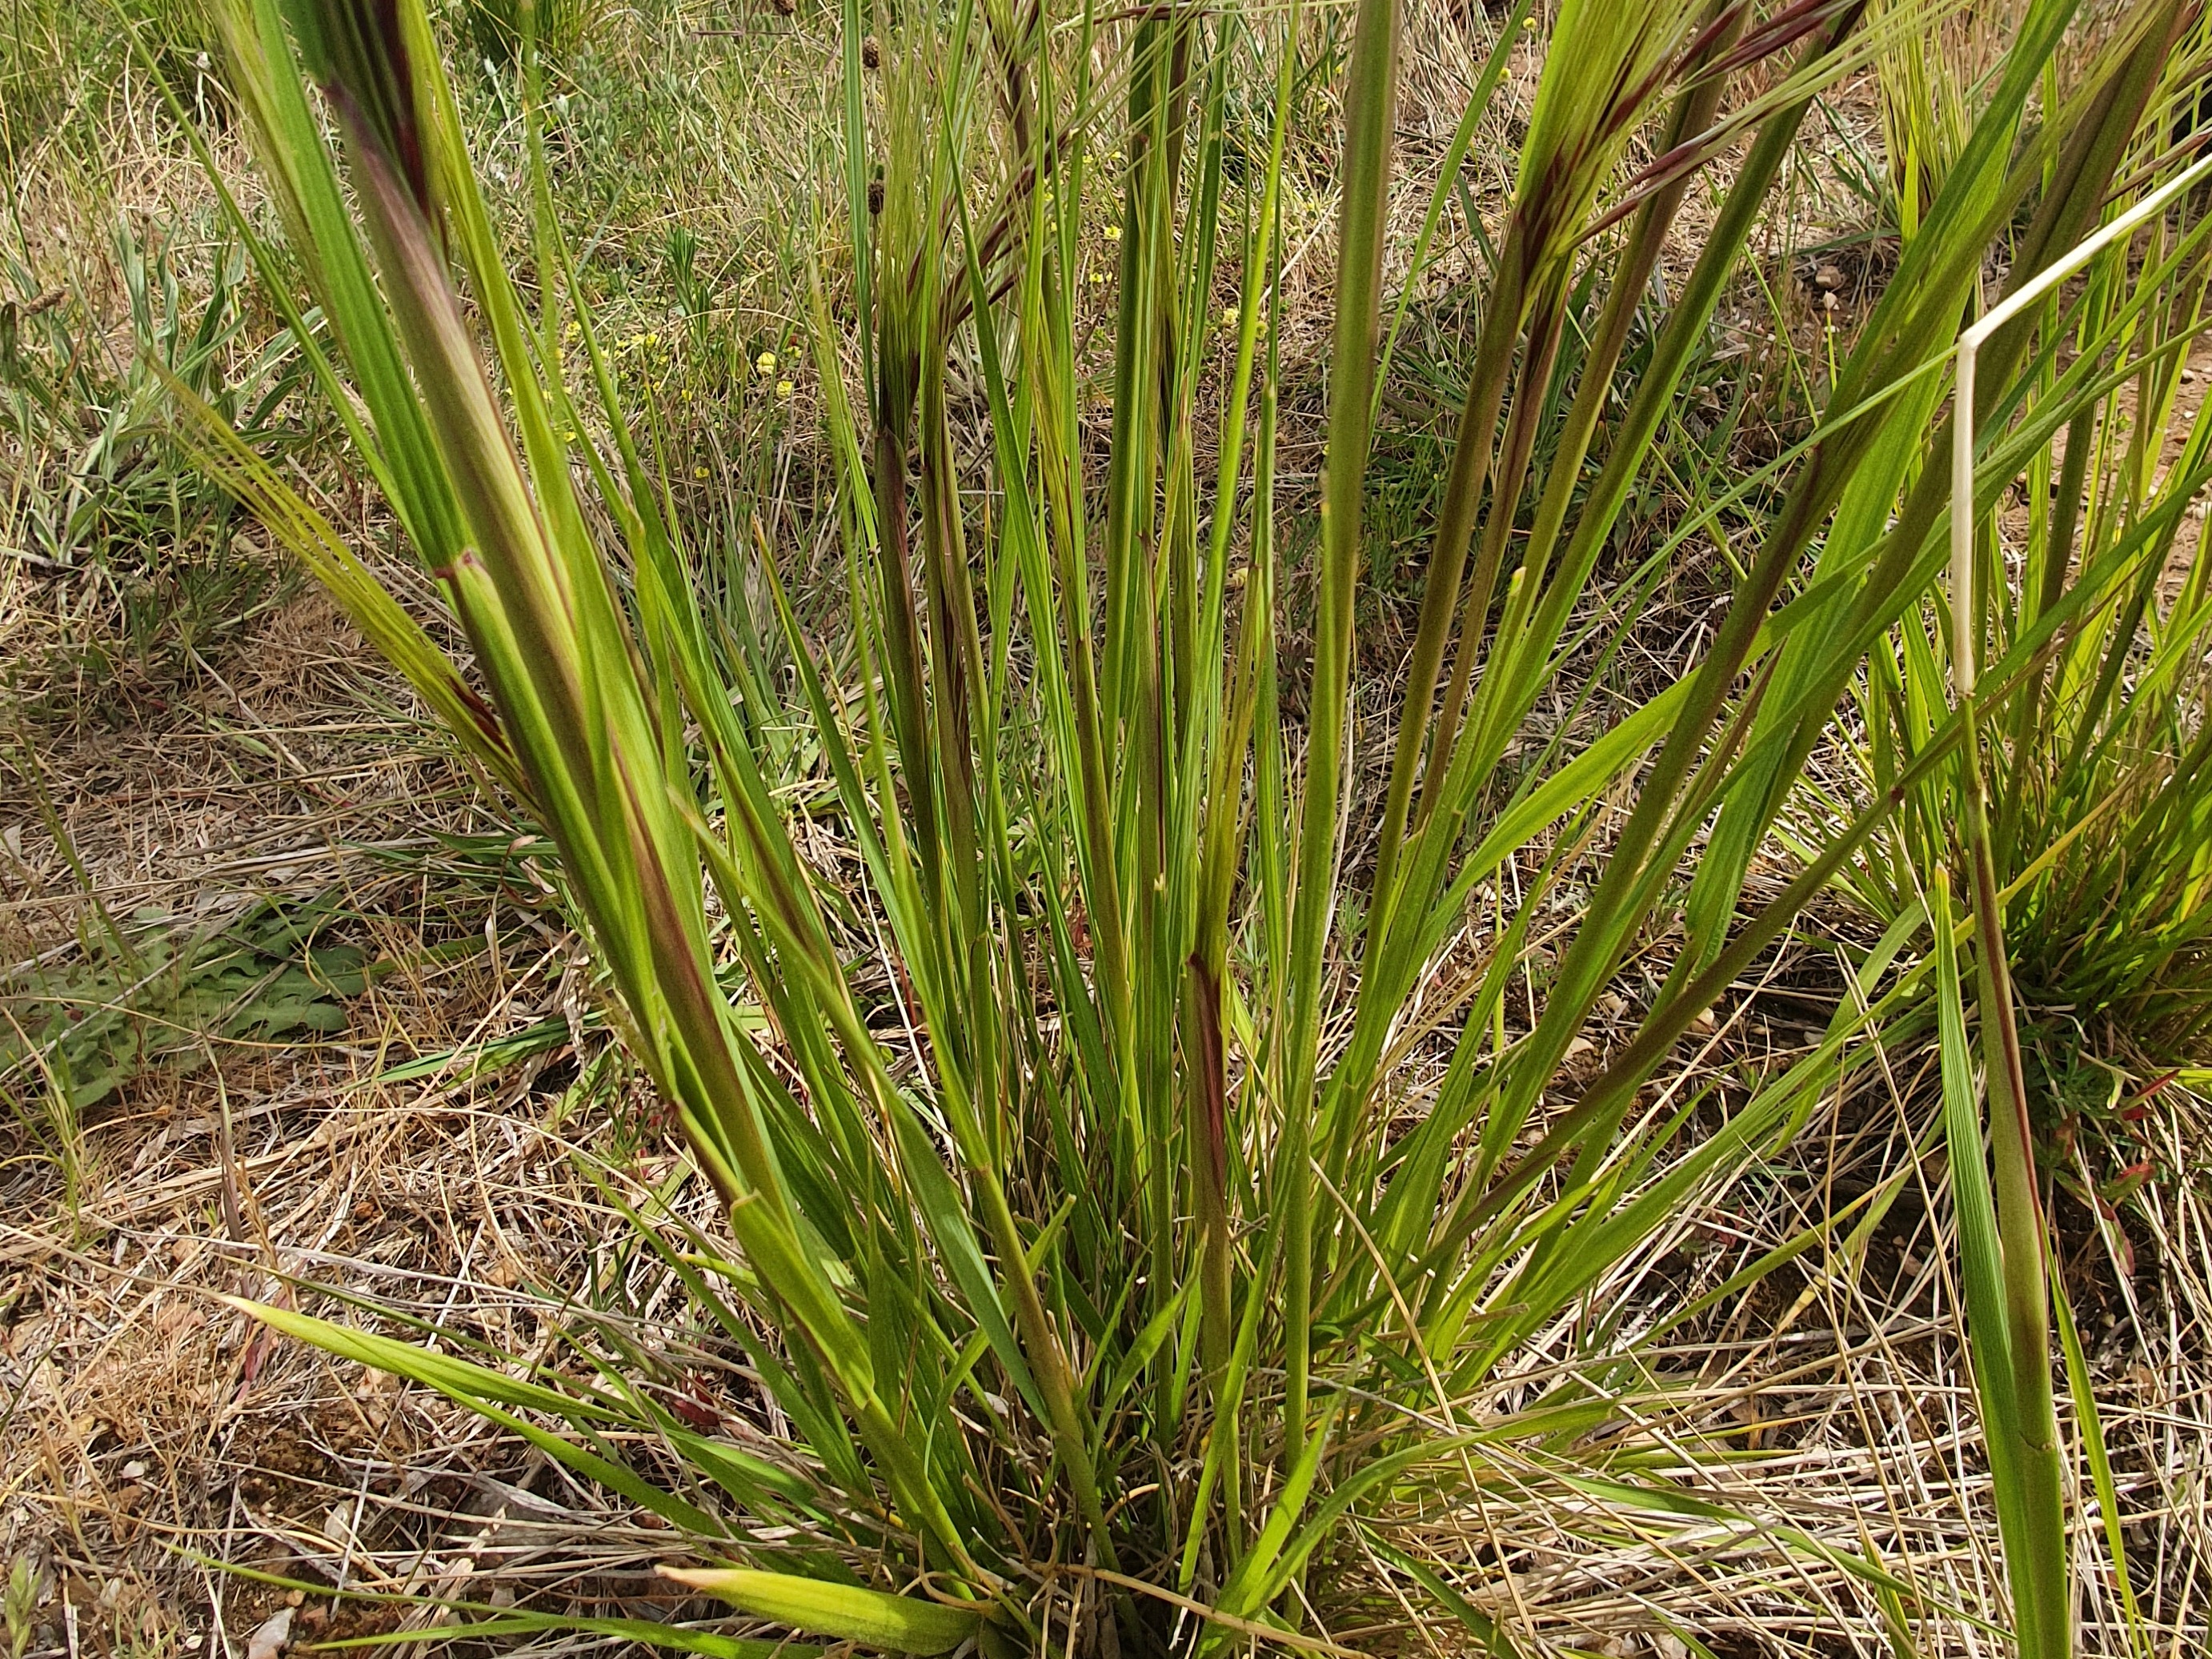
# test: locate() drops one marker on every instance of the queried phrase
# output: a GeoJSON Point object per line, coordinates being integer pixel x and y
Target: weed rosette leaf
{"type": "Point", "coordinates": [174, 996]}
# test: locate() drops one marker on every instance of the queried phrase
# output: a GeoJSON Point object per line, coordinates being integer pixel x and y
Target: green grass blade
{"type": "Point", "coordinates": [897, 1623]}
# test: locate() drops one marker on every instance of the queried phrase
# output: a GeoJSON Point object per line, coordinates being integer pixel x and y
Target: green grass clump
{"type": "Point", "coordinates": [496, 29]}
{"type": "Point", "coordinates": [2091, 583]}
{"type": "Point", "coordinates": [93, 487]}
{"type": "Point", "coordinates": [1125, 1210]}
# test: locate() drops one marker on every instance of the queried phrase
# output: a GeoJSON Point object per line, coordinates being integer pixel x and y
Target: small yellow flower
{"type": "Point", "coordinates": [1097, 276]}
{"type": "Point", "coordinates": [574, 329]}
{"type": "Point", "coordinates": [1229, 316]}
{"type": "Point", "coordinates": [783, 388]}
{"type": "Point", "coordinates": [698, 472]}
{"type": "Point", "coordinates": [1113, 233]}
{"type": "Point", "coordinates": [654, 338]}
{"type": "Point", "coordinates": [765, 363]}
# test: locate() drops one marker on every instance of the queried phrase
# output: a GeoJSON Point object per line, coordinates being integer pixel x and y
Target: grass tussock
{"type": "Point", "coordinates": [1226, 1032]}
